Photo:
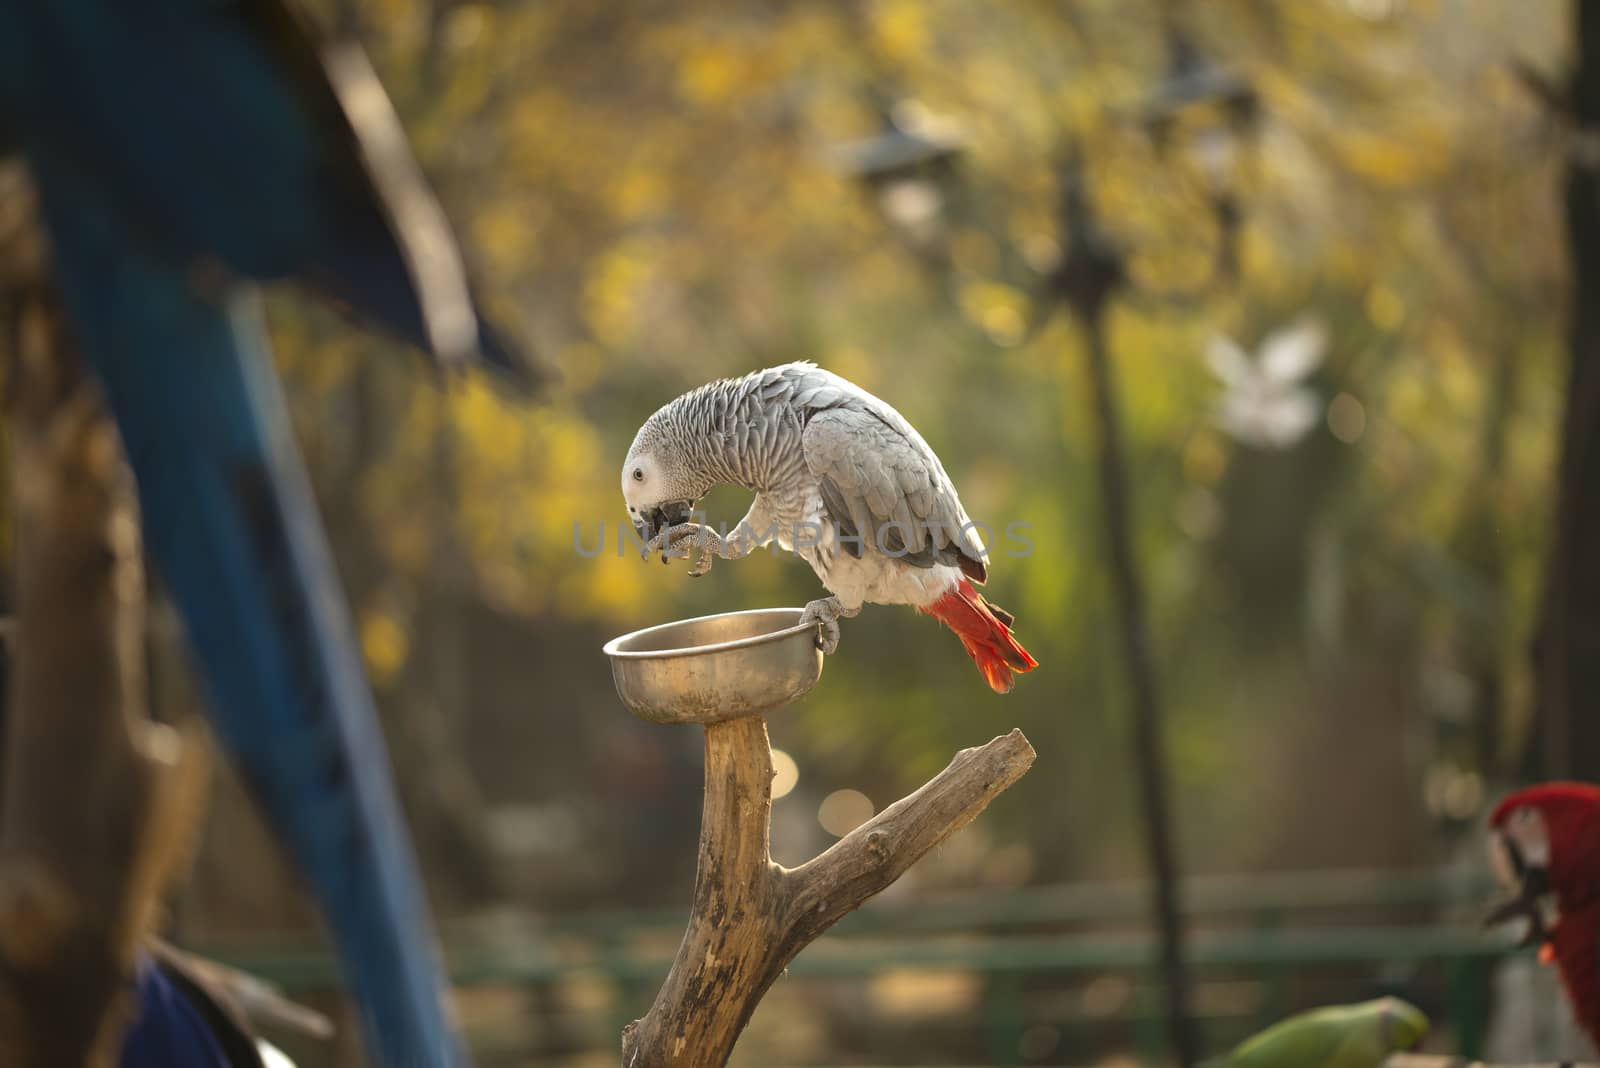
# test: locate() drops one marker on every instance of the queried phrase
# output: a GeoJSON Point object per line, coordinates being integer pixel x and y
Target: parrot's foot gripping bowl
{"type": "Point", "coordinates": [716, 668]}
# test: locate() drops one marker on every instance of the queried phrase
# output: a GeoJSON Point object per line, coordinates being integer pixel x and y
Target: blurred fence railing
{"type": "Point", "coordinates": [1269, 929]}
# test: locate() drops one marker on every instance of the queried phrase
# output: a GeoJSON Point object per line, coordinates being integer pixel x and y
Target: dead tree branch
{"type": "Point", "coordinates": [751, 917]}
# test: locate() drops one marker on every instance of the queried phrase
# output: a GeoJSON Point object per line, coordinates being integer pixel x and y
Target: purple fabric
{"type": "Point", "coordinates": [167, 1031]}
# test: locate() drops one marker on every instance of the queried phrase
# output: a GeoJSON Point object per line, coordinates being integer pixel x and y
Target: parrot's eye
{"type": "Point", "coordinates": [638, 474]}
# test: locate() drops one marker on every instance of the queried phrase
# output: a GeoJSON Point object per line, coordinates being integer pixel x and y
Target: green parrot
{"type": "Point", "coordinates": [1337, 1036]}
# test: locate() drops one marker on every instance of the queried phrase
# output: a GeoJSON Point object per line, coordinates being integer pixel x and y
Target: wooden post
{"type": "Point", "coordinates": [1566, 651]}
{"type": "Point", "coordinates": [751, 916]}
{"type": "Point", "coordinates": [96, 806]}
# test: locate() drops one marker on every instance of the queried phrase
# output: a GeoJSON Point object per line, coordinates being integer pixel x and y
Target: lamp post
{"type": "Point", "coordinates": [1092, 270]}
{"type": "Point", "coordinates": [1208, 111]}
{"type": "Point", "coordinates": [909, 170]}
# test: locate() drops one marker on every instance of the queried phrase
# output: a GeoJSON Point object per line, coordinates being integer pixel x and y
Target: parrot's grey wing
{"type": "Point", "coordinates": [886, 489]}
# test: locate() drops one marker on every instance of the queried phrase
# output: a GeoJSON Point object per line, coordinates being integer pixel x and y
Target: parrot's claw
{"type": "Point", "coordinates": [830, 636]}
{"type": "Point", "coordinates": [681, 540]}
{"type": "Point", "coordinates": [825, 613]}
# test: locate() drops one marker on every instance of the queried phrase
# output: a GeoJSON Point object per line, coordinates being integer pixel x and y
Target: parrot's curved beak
{"type": "Point", "coordinates": [1531, 887]}
{"type": "Point", "coordinates": [663, 516]}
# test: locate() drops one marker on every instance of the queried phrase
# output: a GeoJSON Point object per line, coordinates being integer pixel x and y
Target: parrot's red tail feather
{"type": "Point", "coordinates": [985, 631]}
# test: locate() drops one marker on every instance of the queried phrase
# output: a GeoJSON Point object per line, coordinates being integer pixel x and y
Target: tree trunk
{"type": "Point", "coordinates": [1567, 650]}
{"type": "Point", "coordinates": [98, 804]}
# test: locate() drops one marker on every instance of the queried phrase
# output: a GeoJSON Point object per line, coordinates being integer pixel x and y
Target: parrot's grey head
{"type": "Point", "coordinates": [659, 484]}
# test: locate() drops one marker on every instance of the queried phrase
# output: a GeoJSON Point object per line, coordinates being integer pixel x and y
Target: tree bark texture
{"type": "Point", "coordinates": [751, 916]}
{"type": "Point", "coordinates": [1567, 652]}
{"type": "Point", "coordinates": [96, 804]}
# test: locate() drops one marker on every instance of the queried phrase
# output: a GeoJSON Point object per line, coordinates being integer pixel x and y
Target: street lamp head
{"type": "Point", "coordinates": [912, 143]}
{"type": "Point", "coordinates": [914, 205]}
{"type": "Point", "coordinates": [907, 168]}
{"type": "Point", "coordinates": [1217, 103]}
{"type": "Point", "coordinates": [1215, 150]}
{"type": "Point", "coordinates": [1093, 264]}
{"type": "Point", "coordinates": [1193, 79]}
{"type": "Point", "coordinates": [1214, 112]}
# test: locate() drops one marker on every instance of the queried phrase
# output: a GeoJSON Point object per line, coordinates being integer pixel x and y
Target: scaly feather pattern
{"type": "Point", "coordinates": [844, 481]}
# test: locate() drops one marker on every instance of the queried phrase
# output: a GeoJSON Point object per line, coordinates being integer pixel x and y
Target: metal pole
{"type": "Point", "coordinates": [1090, 274]}
{"type": "Point", "coordinates": [1148, 751]}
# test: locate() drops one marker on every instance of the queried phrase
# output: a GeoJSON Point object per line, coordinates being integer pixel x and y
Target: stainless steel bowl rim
{"type": "Point", "coordinates": [613, 647]}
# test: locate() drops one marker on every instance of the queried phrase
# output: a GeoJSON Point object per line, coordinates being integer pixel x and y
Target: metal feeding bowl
{"type": "Point", "coordinates": [718, 667]}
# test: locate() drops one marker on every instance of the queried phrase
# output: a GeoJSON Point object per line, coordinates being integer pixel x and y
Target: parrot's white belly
{"type": "Point", "coordinates": [873, 578]}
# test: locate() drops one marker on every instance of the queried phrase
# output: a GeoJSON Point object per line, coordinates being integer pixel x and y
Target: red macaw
{"type": "Point", "coordinates": [1545, 844]}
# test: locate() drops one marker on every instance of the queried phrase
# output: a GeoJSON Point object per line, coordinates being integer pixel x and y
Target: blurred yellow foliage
{"type": "Point", "coordinates": [1385, 308]}
{"type": "Point", "coordinates": [651, 189]}
{"type": "Point", "coordinates": [999, 310]}
{"type": "Point", "coordinates": [711, 73]}
{"type": "Point", "coordinates": [1204, 458]}
{"type": "Point", "coordinates": [614, 290]}
{"type": "Point", "coordinates": [1421, 156]}
{"type": "Point", "coordinates": [384, 643]}
{"type": "Point", "coordinates": [901, 27]}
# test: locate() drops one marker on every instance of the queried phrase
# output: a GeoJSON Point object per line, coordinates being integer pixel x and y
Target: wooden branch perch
{"type": "Point", "coordinates": [95, 805]}
{"type": "Point", "coordinates": [751, 917]}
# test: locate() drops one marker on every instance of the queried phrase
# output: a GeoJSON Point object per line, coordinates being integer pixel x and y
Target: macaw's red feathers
{"type": "Point", "coordinates": [985, 630]}
{"type": "Point", "coordinates": [1572, 944]}
{"type": "Point", "coordinates": [1571, 815]}
{"type": "Point", "coordinates": [1570, 812]}
{"type": "Point", "coordinates": [1565, 794]}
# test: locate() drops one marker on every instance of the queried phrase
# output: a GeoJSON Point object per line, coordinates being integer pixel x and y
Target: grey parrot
{"type": "Point", "coordinates": [840, 479]}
